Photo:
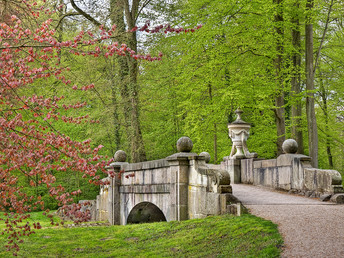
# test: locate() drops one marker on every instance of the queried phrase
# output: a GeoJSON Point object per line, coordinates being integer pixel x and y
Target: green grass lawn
{"type": "Point", "coordinates": [218, 236]}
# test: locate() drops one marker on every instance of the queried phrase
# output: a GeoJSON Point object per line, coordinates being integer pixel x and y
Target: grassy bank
{"type": "Point", "coordinates": [220, 236]}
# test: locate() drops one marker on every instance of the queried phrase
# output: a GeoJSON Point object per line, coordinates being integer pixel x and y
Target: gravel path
{"type": "Point", "coordinates": [310, 228]}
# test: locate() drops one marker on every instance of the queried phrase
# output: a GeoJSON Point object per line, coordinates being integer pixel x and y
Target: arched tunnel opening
{"type": "Point", "coordinates": [145, 212]}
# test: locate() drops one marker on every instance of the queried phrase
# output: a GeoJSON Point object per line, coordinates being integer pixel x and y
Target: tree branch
{"type": "Point", "coordinates": [64, 16]}
{"type": "Point", "coordinates": [323, 37]}
{"type": "Point", "coordinates": [143, 6]}
{"type": "Point", "coordinates": [86, 15]}
{"type": "Point", "coordinates": [134, 9]}
{"type": "Point", "coordinates": [127, 14]}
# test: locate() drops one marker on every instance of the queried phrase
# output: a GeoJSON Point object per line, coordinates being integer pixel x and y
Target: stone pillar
{"type": "Point", "coordinates": [233, 166]}
{"type": "Point", "coordinates": [97, 208]}
{"type": "Point", "coordinates": [114, 199]}
{"type": "Point", "coordinates": [234, 170]}
{"type": "Point", "coordinates": [179, 169]}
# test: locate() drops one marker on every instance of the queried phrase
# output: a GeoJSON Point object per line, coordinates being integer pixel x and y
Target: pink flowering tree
{"type": "Point", "coordinates": [30, 144]}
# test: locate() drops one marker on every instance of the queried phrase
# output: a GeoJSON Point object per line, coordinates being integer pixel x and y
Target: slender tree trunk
{"type": "Point", "coordinates": [215, 143]}
{"type": "Point", "coordinates": [324, 95]}
{"type": "Point", "coordinates": [296, 109]}
{"type": "Point", "coordinates": [116, 121]}
{"type": "Point", "coordinates": [60, 27]}
{"type": "Point", "coordinates": [210, 91]}
{"type": "Point", "coordinates": [278, 63]}
{"type": "Point", "coordinates": [310, 108]}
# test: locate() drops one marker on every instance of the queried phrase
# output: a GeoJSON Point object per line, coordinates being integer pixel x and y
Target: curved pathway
{"type": "Point", "coordinates": [310, 228]}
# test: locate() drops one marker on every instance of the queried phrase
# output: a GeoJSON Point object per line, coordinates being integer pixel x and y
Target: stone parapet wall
{"type": "Point", "coordinates": [102, 204]}
{"type": "Point", "coordinates": [208, 189]}
{"type": "Point", "coordinates": [323, 181]}
{"type": "Point", "coordinates": [182, 186]}
{"type": "Point", "coordinates": [291, 172]}
{"type": "Point", "coordinates": [144, 182]}
{"type": "Point", "coordinates": [147, 165]}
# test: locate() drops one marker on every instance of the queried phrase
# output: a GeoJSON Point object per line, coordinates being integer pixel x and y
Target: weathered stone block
{"type": "Point", "coordinates": [183, 194]}
{"type": "Point", "coordinates": [325, 197]}
{"type": "Point", "coordinates": [284, 178]}
{"type": "Point", "coordinates": [246, 171]}
{"type": "Point", "coordinates": [236, 209]}
{"type": "Point", "coordinates": [234, 170]}
{"type": "Point", "coordinates": [338, 198]}
{"type": "Point", "coordinates": [223, 204]}
{"type": "Point", "coordinates": [232, 199]}
{"type": "Point", "coordinates": [160, 176]}
{"type": "Point", "coordinates": [322, 181]}
{"type": "Point", "coordinates": [212, 204]}
{"type": "Point", "coordinates": [257, 164]}
{"type": "Point", "coordinates": [161, 163]}
{"type": "Point", "coordinates": [288, 159]}
{"type": "Point", "coordinates": [224, 189]}
{"type": "Point", "coordinates": [133, 166]}
{"type": "Point", "coordinates": [338, 189]}
{"type": "Point", "coordinates": [268, 163]}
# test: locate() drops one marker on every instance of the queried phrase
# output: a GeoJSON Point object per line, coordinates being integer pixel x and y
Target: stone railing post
{"type": "Point", "coordinates": [179, 169]}
{"type": "Point", "coordinates": [115, 182]}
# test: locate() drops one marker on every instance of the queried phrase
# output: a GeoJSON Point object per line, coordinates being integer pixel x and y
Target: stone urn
{"type": "Point", "coordinates": [239, 131]}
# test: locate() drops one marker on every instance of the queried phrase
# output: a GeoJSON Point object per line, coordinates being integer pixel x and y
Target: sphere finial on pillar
{"type": "Point", "coordinates": [206, 155]}
{"type": "Point", "coordinates": [184, 144]}
{"type": "Point", "coordinates": [120, 156]}
{"type": "Point", "coordinates": [290, 146]}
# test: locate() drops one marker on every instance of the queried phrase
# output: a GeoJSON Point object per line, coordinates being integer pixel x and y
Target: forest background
{"type": "Point", "coordinates": [280, 61]}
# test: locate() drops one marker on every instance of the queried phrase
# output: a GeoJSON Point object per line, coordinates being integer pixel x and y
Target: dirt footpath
{"type": "Point", "coordinates": [310, 228]}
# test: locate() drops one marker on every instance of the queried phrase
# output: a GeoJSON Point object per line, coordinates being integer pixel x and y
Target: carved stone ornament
{"type": "Point", "coordinates": [239, 131]}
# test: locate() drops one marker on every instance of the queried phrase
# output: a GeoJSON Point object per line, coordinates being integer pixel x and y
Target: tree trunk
{"type": "Point", "coordinates": [125, 18]}
{"type": "Point", "coordinates": [215, 143]}
{"type": "Point", "coordinates": [278, 63]}
{"type": "Point", "coordinates": [210, 91]}
{"type": "Point", "coordinates": [136, 141]}
{"type": "Point", "coordinates": [324, 95]}
{"type": "Point", "coordinates": [296, 109]}
{"type": "Point", "coordinates": [310, 109]}
{"type": "Point", "coordinates": [119, 73]}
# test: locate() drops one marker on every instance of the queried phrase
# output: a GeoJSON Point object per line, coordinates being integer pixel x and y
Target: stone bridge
{"type": "Point", "coordinates": [179, 187]}
{"type": "Point", "coordinates": [185, 186]}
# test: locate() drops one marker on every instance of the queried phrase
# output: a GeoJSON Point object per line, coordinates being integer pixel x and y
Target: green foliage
{"type": "Point", "coordinates": [206, 75]}
{"type": "Point", "coordinates": [229, 63]}
{"type": "Point", "coordinates": [73, 182]}
{"type": "Point", "coordinates": [44, 221]}
{"type": "Point", "coordinates": [221, 236]}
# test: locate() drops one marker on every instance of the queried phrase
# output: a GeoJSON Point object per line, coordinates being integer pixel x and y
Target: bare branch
{"type": "Point", "coordinates": [86, 15]}
{"type": "Point", "coordinates": [323, 36]}
{"type": "Point", "coordinates": [134, 9]}
{"type": "Point", "coordinates": [64, 16]}
{"type": "Point", "coordinates": [142, 7]}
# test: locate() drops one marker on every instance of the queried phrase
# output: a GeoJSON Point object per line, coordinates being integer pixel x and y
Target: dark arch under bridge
{"type": "Point", "coordinates": [145, 212]}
